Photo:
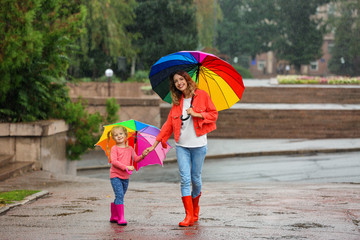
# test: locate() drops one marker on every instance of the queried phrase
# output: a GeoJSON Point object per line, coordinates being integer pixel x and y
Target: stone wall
{"type": "Point", "coordinates": [141, 109]}
{"type": "Point", "coordinates": [290, 112]}
{"type": "Point", "coordinates": [302, 94]}
{"type": "Point", "coordinates": [42, 142]}
{"type": "Point", "coordinates": [100, 89]}
{"type": "Point", "coordinates": [245, 122]}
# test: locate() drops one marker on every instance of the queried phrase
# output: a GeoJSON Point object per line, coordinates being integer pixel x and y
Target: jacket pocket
{"type": "Point", "coordinates": [199, 109]}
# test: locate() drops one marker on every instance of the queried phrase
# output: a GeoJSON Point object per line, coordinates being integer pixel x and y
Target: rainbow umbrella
{"type": "Point", "coordinates": [140, 137]}
{"type": "Point", "coordinates": [212, 74]}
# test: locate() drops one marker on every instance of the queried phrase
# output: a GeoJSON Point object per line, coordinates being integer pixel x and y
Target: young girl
{"type": "Point", "coordinates": [121, 158]}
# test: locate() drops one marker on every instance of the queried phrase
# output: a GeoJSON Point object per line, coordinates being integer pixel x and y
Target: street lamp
{"type": "Point", "coordinates": [109, 74]}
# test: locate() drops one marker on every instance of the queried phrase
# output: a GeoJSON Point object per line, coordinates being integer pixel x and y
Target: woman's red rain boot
{"type": "Point", "coordinates": [196, 207]}
{"type": "Point", "coordinates": [114, 216]}
{"type": "Point", "coordinates": [189, 210]}
{"type": "Point", "coordinates": [120, 211]}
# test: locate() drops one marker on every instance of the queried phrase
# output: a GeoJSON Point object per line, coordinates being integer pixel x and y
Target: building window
{"type": "Point", "coordinates": [330, 46]}
{"type": "Point", "coordinates": [261, 65]}
{"type": "Point", "coordinates": [331, 9]}
{"type": "Point", "coordinates": [314, 66]}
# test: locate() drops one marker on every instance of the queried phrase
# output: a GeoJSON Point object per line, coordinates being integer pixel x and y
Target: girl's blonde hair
{"type": "Point", "coordinates": [176, 93]}
{"type": "Point", "coordinates": [111, 133]}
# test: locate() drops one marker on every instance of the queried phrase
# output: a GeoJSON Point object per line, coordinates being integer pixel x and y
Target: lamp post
{"type": "Point", "coordinates": [109, 74]}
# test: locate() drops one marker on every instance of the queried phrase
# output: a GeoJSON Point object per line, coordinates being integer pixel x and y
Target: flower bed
{"type": "Point", "coordinates": [299, 79]}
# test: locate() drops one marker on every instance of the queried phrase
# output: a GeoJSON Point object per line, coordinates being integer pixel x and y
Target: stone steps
{"type": "Point", "coordinates": [9, 169]}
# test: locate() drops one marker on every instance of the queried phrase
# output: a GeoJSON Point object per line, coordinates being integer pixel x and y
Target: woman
{"type": "Point", "coordinates": [191, 117]}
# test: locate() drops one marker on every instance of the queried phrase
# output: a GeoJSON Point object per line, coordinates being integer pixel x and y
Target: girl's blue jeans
{"type": "Point", "coordinates": [119, 186]}
{"type": "Point", "coordinates": [190, 161]}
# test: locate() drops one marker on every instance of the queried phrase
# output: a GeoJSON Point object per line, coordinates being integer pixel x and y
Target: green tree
{"type": "Point", "coordinates": [35, 41]}
{"type": "Point", "coordinates": [299, 36]}
{"type": "Point", "coordinates": [166, 26]}
{"type": "Point", "coordinates": [346, 51]}
{"type": "Point", "coordinates": [247, 27]}
{"type": "Point", "coordinates": [286, 27]}
{"type": "Point", "coordinates": [106, 38]}
{"type": "Point", "coordinates": [206, 20]}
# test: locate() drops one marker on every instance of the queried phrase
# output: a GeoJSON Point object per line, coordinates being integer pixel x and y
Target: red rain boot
{"type": "Point", "coordinates": [189, 210]}
{"type": "Point", "coordinates": [120, 211]}
{"type": "Point", "coordinates": [114, 216]}
{"type": "Point", "coordinates": [196, 207]}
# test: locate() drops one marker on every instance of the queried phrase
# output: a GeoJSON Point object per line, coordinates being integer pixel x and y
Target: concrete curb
{"type": "Point", "coordinates": [246, 154]}
{"type": "Point", "coordinates": [28, 199]}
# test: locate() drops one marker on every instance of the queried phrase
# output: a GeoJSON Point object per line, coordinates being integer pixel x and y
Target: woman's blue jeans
{"type": "Point", "coordinates": [120, 187]}
{"type": "Point", "coordinates": [190, 161]}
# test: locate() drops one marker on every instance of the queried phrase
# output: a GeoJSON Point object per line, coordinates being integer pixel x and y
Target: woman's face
{"type": "Point", "coordinates": [180, 82]}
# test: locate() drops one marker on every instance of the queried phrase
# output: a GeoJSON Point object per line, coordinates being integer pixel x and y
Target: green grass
{"type": "Point", "coordinates": [16, 195]}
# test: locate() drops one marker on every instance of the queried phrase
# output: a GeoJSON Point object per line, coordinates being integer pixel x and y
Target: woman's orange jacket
{"type": "Point", "coordinates": [201, 104]}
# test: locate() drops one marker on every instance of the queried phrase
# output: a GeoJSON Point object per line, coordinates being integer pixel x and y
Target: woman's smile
{"type": "Point", "coordinates": [180, 82]}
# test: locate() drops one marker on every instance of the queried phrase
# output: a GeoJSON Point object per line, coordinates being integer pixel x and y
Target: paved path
{"type": "Point", "coordinates": [78, 208]}
{"type": "Point", "coordinates": [222, 148]}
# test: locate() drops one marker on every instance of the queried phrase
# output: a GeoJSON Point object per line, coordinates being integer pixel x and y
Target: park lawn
{"type": "Point", "coordinates": [16, 195]}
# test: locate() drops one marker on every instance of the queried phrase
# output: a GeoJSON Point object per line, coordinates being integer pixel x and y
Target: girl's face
{"type": "Point", "coordinates": [180, 82]}
{"type": "Point", "coordinates": [119, 136]}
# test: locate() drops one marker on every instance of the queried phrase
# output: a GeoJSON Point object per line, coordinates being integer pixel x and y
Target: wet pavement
{"type": "Point", "coordinates": [79, 207]}
{"type": "Point", "coordinates": [338, 167]}
{"type": "Point", "coordinates": [228, 148]}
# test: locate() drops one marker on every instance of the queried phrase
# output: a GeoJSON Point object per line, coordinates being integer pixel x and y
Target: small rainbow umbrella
{"type": "Point", "coordinates": [212, 74]}
{"type": "Point", "coordinates": [140, 137]}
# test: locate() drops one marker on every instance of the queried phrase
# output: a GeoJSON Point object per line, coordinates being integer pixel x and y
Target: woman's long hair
{"type": "Point", "coordinates": [176, 93]}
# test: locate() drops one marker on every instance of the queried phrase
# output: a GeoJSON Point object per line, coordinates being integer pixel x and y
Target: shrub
{"type": "Point", "coordinates": [245, 73]}
{"type": "Point", "coordinates": [139, 76]}
{"type": "Point", "coordinates": [84, 128]}
{"type": "Point", "coordinates": [298, 79]}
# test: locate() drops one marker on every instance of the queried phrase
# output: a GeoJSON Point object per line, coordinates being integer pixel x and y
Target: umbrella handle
{"type": "Point", "coordinates": [129, 172]}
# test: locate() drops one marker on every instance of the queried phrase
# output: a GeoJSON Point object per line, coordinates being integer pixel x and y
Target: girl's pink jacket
{"type": "Point", "coordinates": [201, 104]}
{"type": "Point", "coordinates": [120, 158]}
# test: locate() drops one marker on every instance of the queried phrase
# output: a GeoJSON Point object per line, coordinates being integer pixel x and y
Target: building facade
{"type": "Point", "coordinates": [266, 65]}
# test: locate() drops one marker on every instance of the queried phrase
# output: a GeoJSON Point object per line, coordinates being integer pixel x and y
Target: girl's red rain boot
{"type": "Point", "coordinates": [196, 207]}
{"type": "Point", "coordinates": [114, 216]}
{"type": "Point", "coordinates": [189, 210]}
{"type": "Point", "coordinates": [120, 212]}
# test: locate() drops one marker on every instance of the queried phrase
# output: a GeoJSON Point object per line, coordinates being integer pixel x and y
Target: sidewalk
{"type": "Point", "coordinates": [79, 207]}
{"type": "Point", "coordinates": [224, 148]}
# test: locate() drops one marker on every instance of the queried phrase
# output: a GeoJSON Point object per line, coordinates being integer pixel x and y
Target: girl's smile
{"type": "Point", "coordinates": [180, 82]}
{"type": "Point", "coordinates": [119, 137]}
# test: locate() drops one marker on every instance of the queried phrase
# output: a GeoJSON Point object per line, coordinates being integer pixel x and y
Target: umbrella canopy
{"type": "Point", "coordinates": [140, 137]}
{"type": "Point", "coordinates": [212, 74]}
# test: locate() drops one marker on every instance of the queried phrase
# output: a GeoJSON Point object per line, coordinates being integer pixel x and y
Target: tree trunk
{"type": "Point", "coordinates": [133, 63]}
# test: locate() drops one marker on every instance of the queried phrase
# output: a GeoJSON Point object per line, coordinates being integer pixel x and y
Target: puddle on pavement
{"type": "Point", "coordinates": [72, 213]}
{"type": "Point", "coordinates": [281, 213]}
{"type": "Point", "coordinates": [138, 190]}
{"type": "Point", "coordinates": [93, 199]}
{"type": "Point", "coordinates": [308, 225]}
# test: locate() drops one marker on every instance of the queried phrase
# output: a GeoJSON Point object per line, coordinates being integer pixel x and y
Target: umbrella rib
{"type": "Point", "coordinates": [210, 77]}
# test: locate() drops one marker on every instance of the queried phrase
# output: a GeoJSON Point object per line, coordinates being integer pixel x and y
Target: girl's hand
{"type": "Point", "coordinates": [148, 150]}
{"type": "Point", "coordinates": [130, 168]}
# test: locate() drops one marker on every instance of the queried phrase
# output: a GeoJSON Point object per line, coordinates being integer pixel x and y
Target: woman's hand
{"type": "Point", "coordinates": [143, 155]}
{"type": "Point", "coordinates": [190, 111]}
{"type": "Point", "coordinates": [148, 150]}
